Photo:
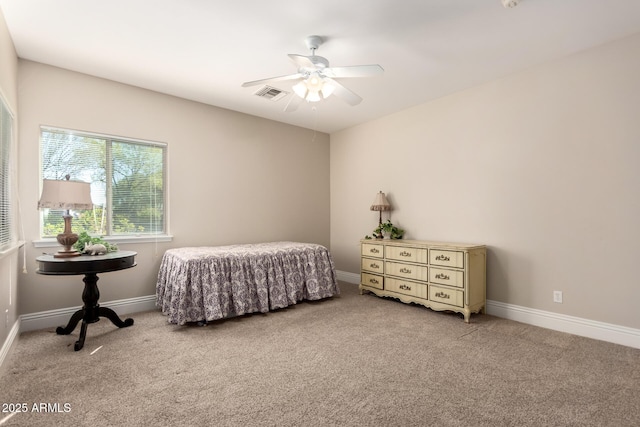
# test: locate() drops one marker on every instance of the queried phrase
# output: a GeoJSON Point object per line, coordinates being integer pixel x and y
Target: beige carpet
{"type": "Point", "coordinates": [353, 360]}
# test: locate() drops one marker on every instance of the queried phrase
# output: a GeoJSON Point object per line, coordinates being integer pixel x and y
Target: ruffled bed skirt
{"type": "Point", "coordinates": [197, 284]}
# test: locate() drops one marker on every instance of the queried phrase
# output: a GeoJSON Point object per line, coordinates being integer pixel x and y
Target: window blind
{"type": "Point", "coordinates": [127, 182]}
{"type": "Point", "coordinates": [6, 209]}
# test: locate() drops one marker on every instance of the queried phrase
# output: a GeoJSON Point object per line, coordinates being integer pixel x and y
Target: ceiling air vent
{"type": "Point", "coordinates": [271, 93]}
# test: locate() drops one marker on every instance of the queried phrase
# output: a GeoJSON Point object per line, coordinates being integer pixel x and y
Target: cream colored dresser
{"type": "Point", "coordinates": [441, 276]}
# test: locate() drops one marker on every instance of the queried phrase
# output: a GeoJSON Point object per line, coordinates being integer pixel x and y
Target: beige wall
{"type": "Point", "coordinates": [8, 261]}
{"type": "Point", "coordinates": [542, 166]}
{"type": "Point", "coordinates": [233, 178]}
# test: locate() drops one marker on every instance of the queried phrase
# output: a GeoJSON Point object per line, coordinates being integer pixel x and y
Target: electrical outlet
{"type": "Point", "coordinates": [557, 296]}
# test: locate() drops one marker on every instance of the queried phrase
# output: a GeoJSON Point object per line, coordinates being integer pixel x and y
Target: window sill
{"type": "Point", "coordinates": [52, 242]}
{"type": "Point", "coordinates": [11, 248]}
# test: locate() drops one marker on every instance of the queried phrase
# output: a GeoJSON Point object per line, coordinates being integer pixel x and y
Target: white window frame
{"type": "Point", "coordinates": [120, 238]}
{"type": "Point", "coordinates": [10, 226]}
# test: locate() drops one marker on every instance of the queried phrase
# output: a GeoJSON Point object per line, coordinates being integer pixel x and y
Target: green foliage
{"type": "Point", "coordinates": [90, 221]}
{"type": "Point", "coordinates": [84, 238]}
{"type": "Point", "coordinates": [387, 228]}
{"type": "Point", "coordinates": [137, 189]}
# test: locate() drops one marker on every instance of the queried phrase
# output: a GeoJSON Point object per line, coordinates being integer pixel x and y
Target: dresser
{"type": "Point", "coordinates": [441, 276]}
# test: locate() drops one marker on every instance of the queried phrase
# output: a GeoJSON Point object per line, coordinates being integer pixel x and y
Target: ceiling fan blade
{"type": "Point", "coordinates": [272, 79]}
{"type": "Point", "coordinates": [293, 103]}
{"type": "Point", "coordinates": [354, 71]}
{"type": "Point", "coordinates": [343, 93]}
{"type": "Point", "coordinates": [302, 61]}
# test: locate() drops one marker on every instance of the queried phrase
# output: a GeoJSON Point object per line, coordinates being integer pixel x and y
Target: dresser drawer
{"type": "Point", "coordinates": [373, 265]}
{"type": "Point", "coordinates": [446, 277]}
{"type": "Point", "coordinates": [401, 253]}
{"type": "Point", "coordinates": [372, 280]}
{"type": "Point", "coordinates": [406, 287]}
{"type": "Point", "coordinates": [372, 250]}
{"type": "Point", "coordinates": [446, 258]}
{"type": "Point", "coordinates": [446, 295]}
{"type": "Point", "coordinates": [407, 271]}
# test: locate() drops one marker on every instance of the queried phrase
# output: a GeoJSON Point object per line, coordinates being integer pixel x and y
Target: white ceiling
{"type": "Point", "coordinates": [204, 50]}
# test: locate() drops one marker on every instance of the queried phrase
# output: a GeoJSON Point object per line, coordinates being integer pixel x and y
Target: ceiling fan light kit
{"type": "Point", "coordinates": [315, 79]}
{"type": "Point", "coordinates": [313, 89]}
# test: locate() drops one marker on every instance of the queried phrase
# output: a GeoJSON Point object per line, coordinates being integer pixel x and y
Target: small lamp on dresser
{"type": "Point", "coordinates": [381, 204]}
{"type": "Point", "coordinates": [67, 195]}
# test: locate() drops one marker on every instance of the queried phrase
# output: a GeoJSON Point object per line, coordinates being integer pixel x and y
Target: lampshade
{"type": "Point", "coordinates": [314, 88]}
{"type": "Point", "coordinates": [66, 194]}
{"type": "Point", "coordinates": [381, 203]}
{"type": "Point", "coordinates": [61, 194]}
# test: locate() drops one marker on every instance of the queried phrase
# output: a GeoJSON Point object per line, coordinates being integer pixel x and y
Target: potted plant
{"type": "Point", "coordinates": [85, 239]}
{"type": "Point", "coordinates": [387, 229]}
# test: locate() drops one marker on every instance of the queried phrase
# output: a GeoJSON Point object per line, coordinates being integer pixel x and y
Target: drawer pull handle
{"type": "Point", "coordinates": [405, 287]}
{"type": "Point", "coordinates": [374, 266]}
{"type": "Point", "coordinates": [374, 281]}
{"type": "Point", "coordinates": [442, 276]}
{"type": "Point", "coordinates": [405, 270]}
{"type": "Point", "coordinates": [405, 253]}
{"type": "Point", "coordinates": [443, 258]}
{"type": "Point", "coordinates": [442, 295]}
{"type": "Point", "coordinates": [374, 251]}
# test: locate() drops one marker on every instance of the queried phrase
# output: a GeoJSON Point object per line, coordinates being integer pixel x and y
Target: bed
{"type": "Point", "coordinates": [201, 284]}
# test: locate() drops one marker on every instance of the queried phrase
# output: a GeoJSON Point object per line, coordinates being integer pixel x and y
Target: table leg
{"type": "Point", "coordinates": [83, 333]}
{"type": "Point", "coordinates": [115, 319]}
{"type": "Point", "coordinates": [91, 312]}
{"type": "Point", "coordinates": [73, 322]}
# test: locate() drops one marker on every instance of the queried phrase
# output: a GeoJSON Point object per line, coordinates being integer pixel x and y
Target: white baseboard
{"type": "Point", "coordinates": [60, 317]}
{"type": "Point", "coordinates": [558, 322]}
{"type": "Point", "coordinates": [344, 276]}
{"type": "Point", "coordinates": [9, 342]}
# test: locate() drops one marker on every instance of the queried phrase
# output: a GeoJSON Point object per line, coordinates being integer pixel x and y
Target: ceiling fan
{"type": "Point", "coordinates": [316, 78]}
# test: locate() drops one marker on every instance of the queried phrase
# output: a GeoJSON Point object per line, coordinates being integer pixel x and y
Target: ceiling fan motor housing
{"type": "Point", "coordinates": [319, 62]}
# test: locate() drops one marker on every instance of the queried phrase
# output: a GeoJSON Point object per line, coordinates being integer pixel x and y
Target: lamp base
{"type": "Point", "coordinates": [66, 254]}
{"type": "Point", "coordinates": [67, 240]}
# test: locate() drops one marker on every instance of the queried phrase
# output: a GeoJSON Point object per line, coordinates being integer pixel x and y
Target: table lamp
{"type": "Point", "coordinates": [66, 194]}
{"type": "Point", "coordinates": [381, 204]}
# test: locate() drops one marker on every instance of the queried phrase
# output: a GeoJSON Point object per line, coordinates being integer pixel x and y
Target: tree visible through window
{"type": "Point", "coordinates": [126, 176]}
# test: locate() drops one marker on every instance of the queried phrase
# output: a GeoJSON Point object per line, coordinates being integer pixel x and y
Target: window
{"type": "Point", "coordinates": [6, 208]}
{"type": "Point", "coordinates": [127, 182]}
